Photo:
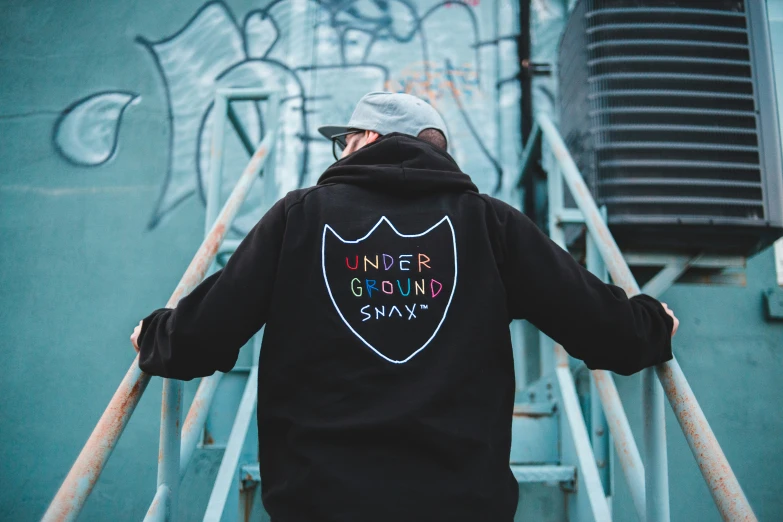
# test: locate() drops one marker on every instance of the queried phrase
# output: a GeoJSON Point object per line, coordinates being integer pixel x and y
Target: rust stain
{"type": "Point", "coordinates": [195, 408]}
{"type": "Point", "coordinates": [561, 356]}
{"type": "Point", "coordinates": [91, 460]}
{"type": "Point", "coordinates": [531, 415]}
{"type": "Point", "coordinates": [717, 472]}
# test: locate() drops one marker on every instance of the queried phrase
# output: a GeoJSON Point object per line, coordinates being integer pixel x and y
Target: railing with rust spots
{"type": "Point", "coordinates": [176, 447]}
{"type": "Point", "coordinates": [648, 485]}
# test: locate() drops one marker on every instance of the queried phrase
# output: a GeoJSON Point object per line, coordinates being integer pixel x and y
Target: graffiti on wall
{"type": "Point", "coordinates": [321, 56]}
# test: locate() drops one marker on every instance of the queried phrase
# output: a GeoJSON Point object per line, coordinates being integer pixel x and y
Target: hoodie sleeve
{"type": "Point", "coordinates": [594, 321]}
{"type": "Point", "coordinates": [204, 333]}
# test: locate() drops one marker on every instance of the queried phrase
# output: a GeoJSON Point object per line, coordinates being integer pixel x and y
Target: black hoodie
{"type": "Point", "coordinates": [386, 383]}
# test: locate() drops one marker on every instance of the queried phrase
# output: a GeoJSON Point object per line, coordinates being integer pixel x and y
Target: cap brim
{"type": "Point", "coordinates": [330, 130]}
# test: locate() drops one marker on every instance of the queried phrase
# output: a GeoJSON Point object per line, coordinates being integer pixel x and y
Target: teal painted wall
{"type": "Point", "coordinates": [105, 125]}
{"type": "Point", "coordinates": [104, 118]}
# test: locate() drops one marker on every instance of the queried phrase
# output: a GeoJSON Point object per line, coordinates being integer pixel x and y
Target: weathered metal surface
{"type": "Point", "coordinates": [724, 487]}
{"type": "Point", "coordinates": [530, 151]}
{"type": "Point", "coordinates": [228, 466]}
{"type": "Point", "coordinates": [588, 498]}
{"type": "Point", "coordinates": [668, 275]}
{"type": "Point", "coordinates": [197, 416]}
{"type": "Point", "coordinates": [214, 176]}
{"type": "Point", "coordinates": [569, 216]}
{"type": "Point", "coordinates": [624, 443]}
{"type": "Point", "coordinates": [656, 473]}
{"type": "Point", "coordinates": [168, 456]}
{"type": "Point", "coordinates": [535, 410]}
{"type": "Point", "coordinates": [534, 429]}
{"type": "Point", "coordinates": [251, 473]}
{"type": "Point", "coordinates": [84, 473]}
{"type": "Point", "coordinates": [600, 437]}
{"type": "Point", "coordinates": [546, 474]}
{"type": "Point", "coordinates": [159, 509]}
{"type": "Point", "coordinates": [561, 357]}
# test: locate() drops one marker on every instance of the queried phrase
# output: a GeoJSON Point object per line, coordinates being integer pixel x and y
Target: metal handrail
{"type": "Point", "coordinates": [83, 475]}
{"type": "Point", "coordinates": [724, 487]}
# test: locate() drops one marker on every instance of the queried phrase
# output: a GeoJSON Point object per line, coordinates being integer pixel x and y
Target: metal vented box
{"type": "Point", "coordinates": [669, 110]}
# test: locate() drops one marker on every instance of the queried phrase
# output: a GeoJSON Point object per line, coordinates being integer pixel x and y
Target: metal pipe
{"type": "Point", "coordinates": [724, 487]}
{"type": "Point", "coordinates": [599, 430]}
{"type": "Point", "coordinates": [215, 176]}
{"type": "Point", "coordinates": [209, 247]}
{"type": "Point", "coordinates": [624, 443]}
{"type": "Point", "coordinates": [553, 355]}
{"type": "Point", "coordinates": [168, 455]}
{"type": "Point", "coordinates": [656, 473]}
{"type": "Point", "coordinates": [76, 487]}
{"type": "Point", "coordinates": [572, 426]}
{"type": "Point", "coordinates": [84, 473]}
{"type": "Point", "coordinates": [610, 252]}
{"type": "Point", "coordinates": [531, 148]}
{"type": "Point", "coordinates": [228, 466]}
{"type": "Point", "coordinates": [159, 509]}
{"type": "Point", "coordinates": [197, 417]}
{"type": "Point", "coordinates": [600, 437]}
{"type": "Point", "coordinates": [655, 425]}
{"type": "Point", "coordinates": [712, 462]}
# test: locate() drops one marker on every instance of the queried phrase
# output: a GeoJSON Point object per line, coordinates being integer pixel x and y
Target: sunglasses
{"type": "Point", "coordinates": [339, 142]}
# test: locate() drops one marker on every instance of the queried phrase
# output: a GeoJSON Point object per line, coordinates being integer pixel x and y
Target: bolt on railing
{"type": "Point", "coordinates": [83, 475]}
{"type": "Point", "coordinates": [649, 486]}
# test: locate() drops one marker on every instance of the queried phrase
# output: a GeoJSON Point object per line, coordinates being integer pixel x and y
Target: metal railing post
{"type": "Point", "coordinates": [625, 444]}
{"type": "Point", "coordinates": [228, 466]}
{"type": "Point", "coordinates": [168, 457]}
{"type": "Point", "coordinates": [599, 429]}
{"type": "Point", "coordinates": [196, 418]}
{"type": "Point", "coordinates": [159, 510]}
{"type": "Point", "coordinates": [556, 204]}
{"type": "Point", "coordinates": [215, 178]}
{"type": "Point", "coordinates": [725, 489]}
{"type": "Point", "coordinates": [656, 473]}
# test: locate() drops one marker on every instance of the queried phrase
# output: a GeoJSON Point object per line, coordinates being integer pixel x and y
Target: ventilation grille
{"type": "Point", "coordinates": [659, 110]}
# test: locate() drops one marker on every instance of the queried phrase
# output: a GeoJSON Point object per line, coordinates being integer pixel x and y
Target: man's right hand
{"type": "Point", "coordinates": [134, 338]}
{"type": "Point", "coordinates": [676, 321]}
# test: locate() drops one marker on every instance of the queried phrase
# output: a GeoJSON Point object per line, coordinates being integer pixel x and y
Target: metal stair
{"type": "Point", "coordinates": [551, 442]}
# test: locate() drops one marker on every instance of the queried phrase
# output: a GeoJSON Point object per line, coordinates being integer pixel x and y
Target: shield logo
{"type": "Point", "coordinates": [392, 290]}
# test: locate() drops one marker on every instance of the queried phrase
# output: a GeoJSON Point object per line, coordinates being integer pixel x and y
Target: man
{"type": "Point", "coordinates": [386, 383]}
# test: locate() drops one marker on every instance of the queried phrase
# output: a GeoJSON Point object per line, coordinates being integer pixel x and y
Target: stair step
{"type": "Point", "coordinates": [528, 473]}
{"type": "Point", "coordinates": [523, 473]}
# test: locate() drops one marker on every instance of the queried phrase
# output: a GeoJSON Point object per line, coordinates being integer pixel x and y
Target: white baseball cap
{"type": "Point", "coordinates": [387, 112]}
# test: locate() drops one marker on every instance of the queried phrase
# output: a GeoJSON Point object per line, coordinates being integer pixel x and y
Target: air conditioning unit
{"type": "Point", "coordinates": [669, 110]}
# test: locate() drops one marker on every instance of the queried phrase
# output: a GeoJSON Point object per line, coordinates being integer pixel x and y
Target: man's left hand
{"type": "Point", "coordinates": [135, 336]}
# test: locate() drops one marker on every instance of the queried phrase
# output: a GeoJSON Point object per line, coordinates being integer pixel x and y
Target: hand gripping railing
{"type": "Point", "coordinates": [175, 447]}
{"type": "Point", "coordinates": [649, 486]}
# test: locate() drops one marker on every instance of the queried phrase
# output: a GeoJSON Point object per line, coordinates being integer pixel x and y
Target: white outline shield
{"type": "Point", "coordinates": [414, 350]}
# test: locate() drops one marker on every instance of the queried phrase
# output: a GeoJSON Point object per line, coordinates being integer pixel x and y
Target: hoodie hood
{"type": "Point", "coordinates": [400, 163]}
